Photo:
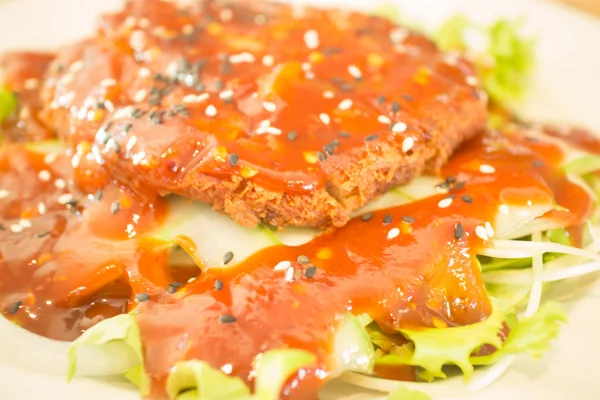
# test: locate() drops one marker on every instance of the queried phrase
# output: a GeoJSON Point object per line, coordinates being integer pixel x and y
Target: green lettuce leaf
{"type": "Point", "coordinates": [122, 328]}
{"type": "Point", "coordinates": [530, 335]}
{"type": "Point", "coordinates": [403, 393]}
{"type": "Point", "coordinates": [506, 63]}
{"type": "Point", "coordinates": [434, 348]}
{"type": "Point", "coordinates": [8, 103]}
{"type": "Point", "coordinates": [198, 380]}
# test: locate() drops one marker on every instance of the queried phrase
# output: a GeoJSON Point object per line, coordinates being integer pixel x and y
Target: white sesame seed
{"type": "Point", "coordinates": [25, 223]}
{"type": "Point", "coordinates": [407, 144]}
{"type": "Point", "coordinates": [384, 119]}
{"type": "Point", "coordinates": [145, 23]}
{"type": "Point", "coordinates": [282, 266]}
{"type": "Point", "coordinates": [60, 183]}
{"type": "Point", "coordinates": [16, 228]}
{"type": "Point", "coordinates": [137, 40]}
{"type": "Point", "coordinates": [393, 233]}
{"type": "Point", "coordinates": [144, 72]}
{"type": "Point", "coordinates": [242, 57]}
{"type": "Point", "coordinates": [355, 71]}
{"type": "Point", "coordinates": [328, 94]}
{"type": "Point", "coordinates": [138, 158]}
{"type": "Point", "coordinates": [268, 60]}
{"type": "Point", "coordinates": [140, 95]}
{"type": "Point", "coordinates": [50, 158]}
{"type": "Point", "coordinates": [130, 22]}
{"type": "Point", "coordinates": [226, 94]}
{"type": "Point", "coordinates": [4, 193]}
{"type": "Point", "coordinates": [486, 169]}
{"type": "Point", "coordinates": [187, 29]}
{"type": "Point", "coordinates": [398, 35]}
{"type": "Point", "coordinates": [481, 232]}
{"type": "Point", "coordinates": [131, 143]}
{"type": "Point", "coordinates": [504, 210]}
{"type": "Point", "coordinates": [345, 104]}
{"type": "Point", "coordinates": [289, 274]}
{"type": "Point", "coordinates": [211, 110]}
{"type": "Point", "coordinates": [75, 160]}
{"type": "Point", "coordinates": [108, 82]}
{"type": "Point", "coordinates": [306, 66]}
{"type": "Point", "coordinates": [399, 127]}
{"type": "Point", "coordinates": [264, 124]}
{"type": "Point", "coordinates": [32, 83]}
{"type": "Point", "coordinates": [67, 78]}
{"type": "Point", "coordinates": [65, 198]}
{"type": "Point", "coordinates": [489, 230]}
{"type": "Point", "coordinates": [472, 80]}
{"type": "Point", "coordinates": [311, 39]}
{"type": "Point", "coordinates": [270, 107]}
{"type": "Point", "coordinates": [44, 175]}
{"type": "Point", "coordinates": [445, 203]}
{"type": "Point", "coordinates": [109, 105]}
{"type": "Point", "coordinates": [192, 98]}
{"type": "Point", "coordinates": [76, 66]}
{"type": "Point", "coordinates": [271, 130]}
{"type": "Point", "coordinates": [226, 14]}
{"type": "Point", "coordinates": [325, 118]}
{"type": "Point", "coordinates": [41, 207]}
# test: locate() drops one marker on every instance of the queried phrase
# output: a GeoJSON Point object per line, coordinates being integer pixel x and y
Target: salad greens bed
{"type": "Point", "coordinates": [528, 255]}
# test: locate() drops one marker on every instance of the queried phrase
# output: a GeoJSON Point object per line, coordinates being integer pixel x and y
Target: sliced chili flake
{"type": "Point", "coordinates": [459, 231]}
{"type": "Point", "coordinates": [227, 319]}
{"type": "Point", "coordinates": [14, 307]}
{"type": "Point", "coordinates": [310, 271]}
{"type": "Point", "coordinates": [227, 257]}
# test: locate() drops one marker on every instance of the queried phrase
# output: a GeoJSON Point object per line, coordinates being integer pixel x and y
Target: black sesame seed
{"type": "Point", "coordinates": [322, 156]}
{"type": "Point", "coordinates": [116, 147]}
{"type": "Point", "coordinates": [329, 149]}
{"type": "Point", "coordinates": [366, 217]}
{"type": "Point", "coordinates": [538, 164]}
{"type": "Point", "coordinates": [200, 87]}
{"type": "Point", "coordinates": [459, 185]}
{"type": "Point", "coordinates": [387, 219]}
{"type": "Point", "coordinates": [155, 118]}
{"type": "Point", "coordinates": [142, 297]}
{"type": "Point", "coordinates": [71, 203]}
{"type": "Point", "coordinates": [337, 80]}
{"type": "Point", "coordinates": [346, 87]}
{"type": "Point", "coordinates": [467, 199]}
{"type": "Point", "coordinates": [218, 284]}
{"type": "Point", "coordinates": [100, 105]}
{"type": "Point", "coordinates": [219, 84]}
{"type": "Point", "coordinates": [227, 257]}
{"type": "Point", "coordinates": [173, 286]}
{"type": "Point", "coordinates": [408, 219]}
{"type": "Point", "coordinates": [99, 195]}
{"type": "Point", "coordinates": [292, 135]}
{"type": "Point", "coordinates": [395, 106]}
{"type": "Point", "coordinates": [381, 99]}
{"type": "Point", "coordinates": [303, 259]}
{"type": "Point", "coordinates": [137, 113]}
{"type": "Point", "coordinates": [451, 196]}
{"type": "Point", "coordinates": [233, 159]}
{"type": "Point", "coordinates": [408, 97]}
{"type": "Point", "coordinates": [127, 127]}
{"type": "Point", "coordinates": [459, 231]}
{"type": "Point", "coordinates": [227, 319]}
{"type": "Point", "coordinates": [450, 179]}
{"type": "Point", "coordinates": [14, 307]}
{"type": "Point", "coordinates": [370, 138]}
{"type": "Point", "coordinates": [169, 114]}
{"type": "Point", "coordinates": [115, 207]}
{"type": "Point", "coordinates": [344, 134]}
{"type": "Point", "coordinates": [335, 142]}
{"type": "Point", "coordinates": [108, 125]}
{"type": "Point", "coordinates": [310, 271]}
{"type": "Point", "coordinates": [42, 234]}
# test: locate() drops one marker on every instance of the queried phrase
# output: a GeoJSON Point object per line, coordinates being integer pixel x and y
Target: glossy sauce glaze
{"type": "Point", "coordinates": [263, 92]}
{"type": "Point", "coordinates": [67, 265]}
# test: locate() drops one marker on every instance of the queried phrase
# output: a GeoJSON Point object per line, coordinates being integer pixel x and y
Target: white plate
{"type": "Point", "coordinates": [566, 89]}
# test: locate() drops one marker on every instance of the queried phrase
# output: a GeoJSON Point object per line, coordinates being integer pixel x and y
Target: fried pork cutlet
{"type": "Point", "coordinates": [272, 114]}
